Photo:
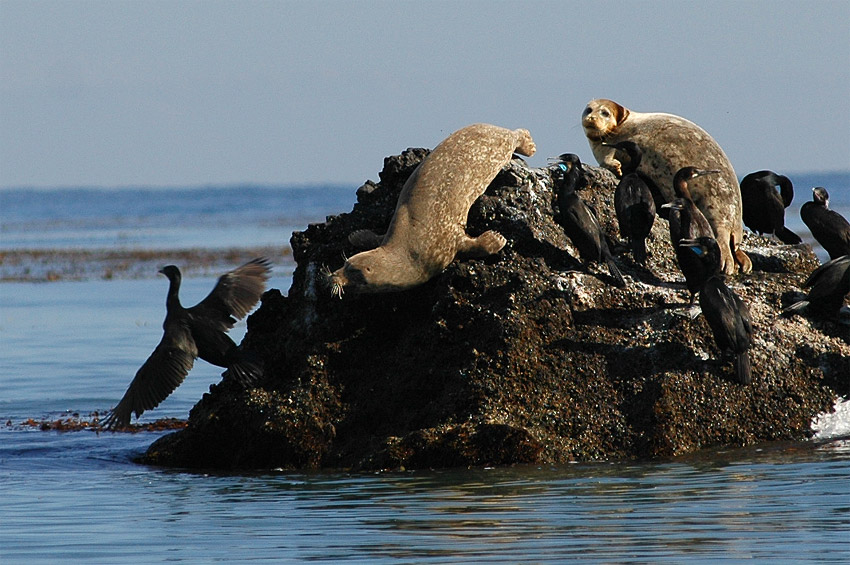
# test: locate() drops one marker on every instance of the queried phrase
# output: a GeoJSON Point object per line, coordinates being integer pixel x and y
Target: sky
{"type": "Point", "coordinates": [184, 93]}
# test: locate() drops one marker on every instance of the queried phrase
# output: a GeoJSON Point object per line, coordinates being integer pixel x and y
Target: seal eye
{"type": "Point", "coordinates": [586, 111]}
{"type": "Point", "coordinates": [605, 113]}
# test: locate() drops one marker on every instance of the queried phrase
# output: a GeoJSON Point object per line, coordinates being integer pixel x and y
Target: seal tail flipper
{"type": "Point", "coordinates": [787, 236]}
{"type": "Point", "coordinates": [742, 368]}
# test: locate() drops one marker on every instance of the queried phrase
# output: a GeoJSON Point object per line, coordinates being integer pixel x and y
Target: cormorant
{"type": "Point", "coordinates": [199, 331]}
{"type": "Point", "coordinates": [634, 201]}
{"type": "Point", "coordinates": [577, 219]}
{"type": "Point", "coordinates": [764, 207]}
{"type": "Point", "coordinates": [727, 315]}
{"type": "Point", "coordinates": [829, 284]}
{"type": "Point", "coordinates": [828, 227]}
{"type": "Point", "coordinates": [688, 222]}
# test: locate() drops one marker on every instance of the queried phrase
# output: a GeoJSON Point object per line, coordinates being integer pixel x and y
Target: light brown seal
{"type": "Point", "coordinates": [669, 143]}
{"type": "Point", "coordinates": [428, 228]}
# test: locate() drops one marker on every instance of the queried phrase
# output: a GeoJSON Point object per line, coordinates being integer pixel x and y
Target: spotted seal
{"type": "Point", "coordinates": [428, 228]}
{"type": "Point", "coordinates": [670, 143]}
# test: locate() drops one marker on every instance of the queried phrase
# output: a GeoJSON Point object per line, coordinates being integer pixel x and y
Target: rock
{"type": "Point", "coordinates": [521, 357]}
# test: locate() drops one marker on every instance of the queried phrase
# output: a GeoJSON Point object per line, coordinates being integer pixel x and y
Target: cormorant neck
{"type": "Point", "coordinates": [173, 297]}
{"type": "Point", "coordinates": [682, 190]}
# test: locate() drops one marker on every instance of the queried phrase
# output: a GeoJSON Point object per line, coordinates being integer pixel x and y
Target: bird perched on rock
{"type": "Point", "coordinates": [727, 315]}
{"type": "Point", "coordinates": [687, 222]}
{"type": "Point", "coordinates": [199, 331]}
{"type": "Point", "coordinates": [828, 227]}
{"type": "Point", "coordinates": [634, 202]}
{"type": "Point", "coordinates": [764, 207]}
{"type": "Point", "coordinates": [577, 219]}
{"type": "Point", "coordinates": [829, 284]}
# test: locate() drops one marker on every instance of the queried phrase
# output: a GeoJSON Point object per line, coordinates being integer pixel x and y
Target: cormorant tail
{"type": "Point", "coordinates": [787, 236]}
{"type": "Point", "coordinates": [619, 281]}
{"type": "Point", "coordinates": [247, 370]}
{"type": "Point", "coordinates": [639, 250]}
{"type": "Point", "coordinates": [742, 368]}
{"type": "Point", "coordinates": [796, 308]}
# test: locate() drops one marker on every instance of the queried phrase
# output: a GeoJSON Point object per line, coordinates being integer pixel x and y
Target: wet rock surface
{"type": "Point", "coordinates": [519, 357]}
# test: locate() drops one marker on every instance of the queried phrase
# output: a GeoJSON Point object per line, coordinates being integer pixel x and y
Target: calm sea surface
{"type": "Point", "coordinates": [76, 497]}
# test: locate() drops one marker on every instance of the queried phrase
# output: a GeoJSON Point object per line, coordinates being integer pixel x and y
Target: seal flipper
{"type": "Point", "coordinates": [487, 243]}
{"type": "Point", "coordinates": [365, 239]}
{"type": "Point", "coordinates": [740, 258]}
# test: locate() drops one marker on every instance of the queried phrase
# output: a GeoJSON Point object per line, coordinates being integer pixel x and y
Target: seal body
{"type": "Point", "coordinates": [428, 228]}
{"type": "Point", "coordinates": [669, 143]}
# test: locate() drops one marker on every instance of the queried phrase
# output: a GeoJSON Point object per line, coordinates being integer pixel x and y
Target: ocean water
{"type": "Point", "coordinates": [72, 347]}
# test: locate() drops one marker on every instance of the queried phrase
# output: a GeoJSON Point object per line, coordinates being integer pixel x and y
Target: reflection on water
{"type": "Point", "coordinates": [787, 503]}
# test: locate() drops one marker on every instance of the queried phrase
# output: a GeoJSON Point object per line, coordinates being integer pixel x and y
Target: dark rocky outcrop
{"type": "Point", "coordinates": [519, 357]}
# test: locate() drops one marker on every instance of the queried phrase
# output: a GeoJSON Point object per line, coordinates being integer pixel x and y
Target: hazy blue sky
{"type": "Point", "coordinates": [185, 93]}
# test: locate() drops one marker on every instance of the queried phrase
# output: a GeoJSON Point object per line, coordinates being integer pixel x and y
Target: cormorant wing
{"type": "Point", "coordinates": [819, 272]}
{"type": "Point", "coordinates": [158, 377]}
{"type": "Point", "coordinates": [744, 311]}
{"type": "Point", "coordinates": [235, 293]}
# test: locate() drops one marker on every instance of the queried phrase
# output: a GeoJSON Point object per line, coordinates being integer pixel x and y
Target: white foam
{"type": "Point", "coordinates": [833, 424]}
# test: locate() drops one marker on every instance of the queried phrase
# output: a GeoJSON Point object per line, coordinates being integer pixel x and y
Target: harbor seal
{"type": "Point", "coordinates": [428, 228]}
{"type": "Point", "coordinates": [670, 143]}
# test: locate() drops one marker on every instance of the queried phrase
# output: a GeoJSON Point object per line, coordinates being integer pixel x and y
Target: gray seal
{"type": "Point", "coordinates": [669, 143]}
{"type": "Point", "coordinates": [428, 229]}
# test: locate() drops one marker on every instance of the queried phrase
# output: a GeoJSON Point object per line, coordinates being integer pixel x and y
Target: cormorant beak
{"type": "Point", "coordinates": [672, 205]}
{"type": "Point", "coordinates": [701, 172]}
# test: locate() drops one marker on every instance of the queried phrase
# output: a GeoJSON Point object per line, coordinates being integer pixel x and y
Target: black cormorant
{"type": "Point", "coordinates": [634, 201]}
{"type": "Point", "coordinates": [828, 227]}
{"type": "Point", "coordinates": [199, 331]}
{"type": "Point", "coordinates": [727, 315]}
{"type": "Point", "coordinates": [577, 219]}
{"type": "Point", "coordinates": [764, 207]}
{"type": "Point", "coordinates": [688, 222]}
{"type": "Point", "coordinates": [829, 284]}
